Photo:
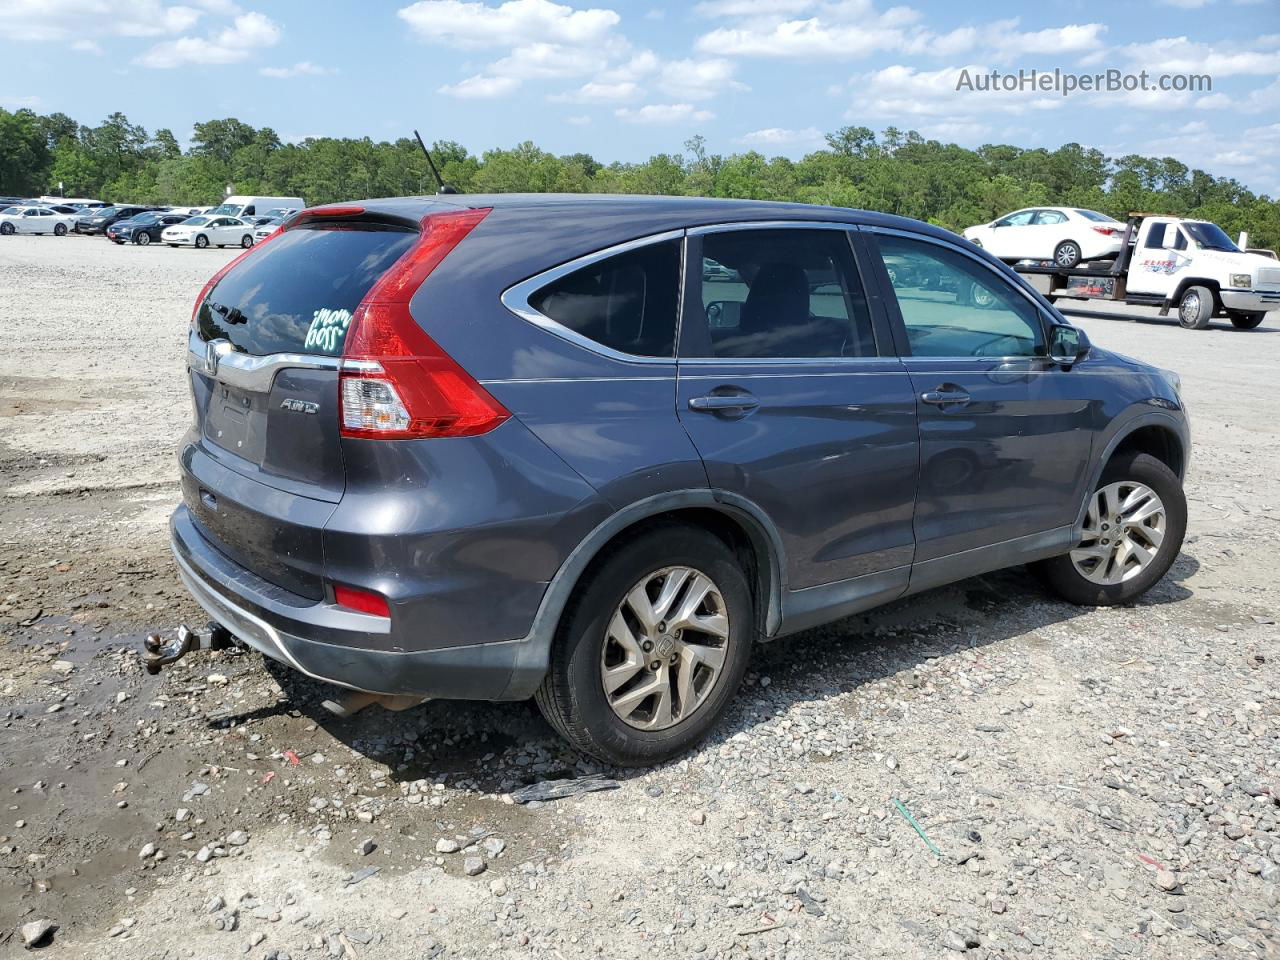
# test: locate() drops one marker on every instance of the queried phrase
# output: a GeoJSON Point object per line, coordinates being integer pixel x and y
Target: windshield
{"type": "Point", "coordinates": [105, 212]}
{"type": "Point", "coordinates": [1097, 217]}
{"type": "Point", "coordinates": [144, 218]}
{"type": "Point", "coordinates": [226, 209]}
{"type": "Point", "coordinates": [1210, 236]}
{"type": "Point", "coordinates": [8, 210]}
{"type": "Point", "coordinates": [195, 222]}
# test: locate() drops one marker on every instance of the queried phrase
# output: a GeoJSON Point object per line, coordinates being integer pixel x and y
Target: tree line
{"type": "Point", "coordinates": [894, 171]}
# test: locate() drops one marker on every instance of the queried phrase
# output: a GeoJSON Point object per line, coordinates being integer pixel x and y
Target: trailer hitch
{"type": "Point", "coordinates": [159, 654]}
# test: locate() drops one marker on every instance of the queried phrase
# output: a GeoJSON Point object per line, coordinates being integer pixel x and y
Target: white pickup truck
{"type": "Point", "coordinates": [1172, 262]}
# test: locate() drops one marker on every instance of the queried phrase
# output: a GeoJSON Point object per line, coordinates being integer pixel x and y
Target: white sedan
{"type": "Point", "coordinates": [34, 220]}
{"type": "Point", "coordinates": [209, 231]}
{"type": "Point", "coordinates": [1065, 235]}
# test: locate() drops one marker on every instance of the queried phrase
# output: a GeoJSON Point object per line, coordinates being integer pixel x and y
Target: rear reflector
{"type": "Point", "coordinates": [418, 390]}
{"type": "Point", "coordinates": [365, 601]}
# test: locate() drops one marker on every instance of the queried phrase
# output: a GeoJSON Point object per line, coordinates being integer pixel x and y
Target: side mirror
{"type": "Point", "coordinates": [724, 314]}
{"type": "Point", "coordinates": [1067, 345]}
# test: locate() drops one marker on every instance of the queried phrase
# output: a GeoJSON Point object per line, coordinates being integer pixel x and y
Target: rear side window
{"type": "Point", "coordinates": [626, 302]}
{"type": "Point", "coordinates": [298, 293]}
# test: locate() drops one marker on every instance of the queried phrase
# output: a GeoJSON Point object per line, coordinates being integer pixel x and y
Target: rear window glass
{"type": "Point", "coordinates": [297, 294]}
{"type": "Point", "coordinates": [627, 302]}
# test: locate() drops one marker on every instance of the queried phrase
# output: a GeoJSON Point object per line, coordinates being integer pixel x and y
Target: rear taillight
{"type": "Point", "coordinates": [1107, 231]}
{"type": "Point", "coordinates": [204, 292]}
{"type": "Point", "coordinates": [365, 601]}
{"type": "Point", "coordinates": [397, 383]}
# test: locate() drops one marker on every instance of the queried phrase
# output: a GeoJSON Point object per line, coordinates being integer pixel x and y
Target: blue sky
{"type": "Point", "coordinates": [622, 79]}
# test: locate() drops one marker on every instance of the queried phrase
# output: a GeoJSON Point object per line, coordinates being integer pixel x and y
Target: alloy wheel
{"type": "Point", "coordinates": [1123, 529]}
{"type": "Point", "coordinates": [1189, 309]}
{"type": "Point", "coordinates": [664, 648]}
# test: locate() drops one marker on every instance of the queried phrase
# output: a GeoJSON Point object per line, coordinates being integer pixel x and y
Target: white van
{"type": "Point", "coordinates": [253, 206]}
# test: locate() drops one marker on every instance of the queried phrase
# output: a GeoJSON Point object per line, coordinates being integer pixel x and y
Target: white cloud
{"type": "Point", "coordinates": [19, 103]}
{"type": "Point", "coordinates": [595, 92]}
{"type": "Point", "coordinates": [513, 23]}
{"type": "Point", "coordinates": [904, 91]}
{"type": "Point", "coordinates": [751, 8]}
{"type": "Point", "coordinates": [1180, 55]}
{"type": "Point", "coordinates": [1259, 100]}
{"type": "Point", "coordinates": [580, 121]}
{"type": "Point", "coordinates": [87, 46]}
{"type": "Point", "coordinates": [304, 68]}
{"type": "Point", "coordinates": [58, 20]}
{"type": "Point", "coordinates": [698, 79]}
{"type": "Point", "coordinates": [481, 87]}
{"type": "Point", "coordinates": [233, 44]}
{"type": "Point", "coordinates": [540, 60]}
{"type": "Point", "coordinates": [780, 136]}
{"type": "Point", "coordinates": [664, 113]}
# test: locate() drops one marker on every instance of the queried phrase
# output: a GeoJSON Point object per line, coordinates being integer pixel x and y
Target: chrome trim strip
{"type": "Point", "coordinates": [516, 297]}
{"type": "Point", "coordinates": [772, 225]}
{"type": "Point", "coordinates": [257, 374]}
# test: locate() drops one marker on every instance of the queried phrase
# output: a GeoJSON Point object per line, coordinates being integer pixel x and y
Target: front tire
{"type": "Point", "coordinates": [1246, 319]}
{"type": "Point", "coordinates": [201, 241]}
{"type": "Point", "coordinates": [1195, 309]}
{"type": "Point", "coordinates": [7, 229]}
{"type": "Point", "coordinates": [1134, 527]}
{"type": "Point", "coordinates": [1067, 254]}
{"type": "Point", "coordinates": [142, 239]}
{"type": "Point", "coordinates": [651, 648]}
{"type": "Point", "coordinates": [246, 241]}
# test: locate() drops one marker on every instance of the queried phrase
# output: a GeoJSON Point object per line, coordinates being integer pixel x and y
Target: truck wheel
{"type": "Point", "coordinates": [1195, 309]}
{"type": "Point", "coordinates": [1067, 254]}
{"type": "Point", "coordinates": [651, 648]}
{"type": "Point", "coordinates": [1246, 319]}
{"type": "Point", "coordinates": [1133, 530]}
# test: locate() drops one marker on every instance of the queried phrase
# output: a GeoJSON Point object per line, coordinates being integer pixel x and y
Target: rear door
{"type": "Point", "coordinates": [795, 400]}
{"type": "Point", "coordinates": [264, 462]}
{"type": "Point", "coordinates": [1048, 231]}
{"type": "Point", "coordinates": [1005, 434]}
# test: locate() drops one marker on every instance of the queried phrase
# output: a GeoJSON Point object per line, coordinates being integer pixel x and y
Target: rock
{"type": "Point", "coordinates": [362, 937]}
{"type": "Point", "coordinates": [36, 933]}
{"type": "Point", "coordinates": [954, 941]}
{"type": "Point", "coordinates": [182, 815]}
{"type": "Point", "coordinates": [366, 847]}
{"type": "Point", "coordinates": [998, 906]}
{"type": "Point", "coordinates": [1166, 881]}
{"type": "Point", "coordinates": [148, 850]}
{"type": "Point", "coordinates": [237, 838]}
{"type": "Point", "coordinates": [493, 846]}
{"type": "Point", "coordinates": [697, 818]}
{"type": "Point", "coordinates": [473, 866]}
{"type": "Point", "coordinates": [498, 887]}
{"type": "Point", "coordinates": [791, 854]}
{"type": "Point", "coordinates": [214, 905]}
{"type": "Point", "coordinates": [447, 845]}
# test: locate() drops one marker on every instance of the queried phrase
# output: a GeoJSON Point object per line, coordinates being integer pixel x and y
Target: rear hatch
{"type": "Point", "coordinates": [266, 470]}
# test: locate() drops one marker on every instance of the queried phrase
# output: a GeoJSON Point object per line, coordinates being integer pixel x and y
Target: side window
{"type": "Point", "coordinates": [783, 294]}
{"type": "Point", "coordinates": [954, 307]}
{"type": "Point", "coordinates": [1045, 217]}
{"type": "Point", "coordinates": [1020, 219]}
{"type": "Point", "coordinates": [1155, 237]}
{"type": "Point", "coordinates": [627, 302]}
{"type": "Point", "coordinates": [248, 212]}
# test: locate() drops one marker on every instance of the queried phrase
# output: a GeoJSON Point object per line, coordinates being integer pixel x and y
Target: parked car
{"type": "Point", "coordinates": [430, 458]}
{"type": "Point", "coordinates": [40, 220]}
{"type": "Point", "coordinates": [208, 230]}
{"type": "Point", "coordinates": [237, 206]}
{"type": "Point", "coordinates": [96, 221]}
{"type": "Point", "coordinates": [1065, 235]}
{"type": "Point", "coordinates": [144, 228]}
{"type": "Point", "coordinates": [265, 227]}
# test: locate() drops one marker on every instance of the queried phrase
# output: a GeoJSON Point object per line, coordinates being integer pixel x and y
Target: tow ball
{"type": "Point", "coordinates": [160, 654]}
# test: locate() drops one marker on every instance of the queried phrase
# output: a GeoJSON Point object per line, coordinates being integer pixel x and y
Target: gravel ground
{"type": "Point", "coordinates": [1092, 784]}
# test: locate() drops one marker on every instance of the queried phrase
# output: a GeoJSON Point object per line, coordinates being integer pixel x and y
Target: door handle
{"type": "Point", "coordinates": [940, 398]}
{"type": "Point", "coordinates": [715, 403]}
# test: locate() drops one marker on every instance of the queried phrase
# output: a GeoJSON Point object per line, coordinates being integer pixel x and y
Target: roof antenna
{"type": "Point", "coordinates": [442, 187]}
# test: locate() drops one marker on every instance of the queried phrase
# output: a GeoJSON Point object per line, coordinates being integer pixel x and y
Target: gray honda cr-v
{"type": "Point", "coordinates": [592, 448]}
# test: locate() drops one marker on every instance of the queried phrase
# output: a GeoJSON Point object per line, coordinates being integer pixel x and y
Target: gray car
{"type": "Point", "coordinates": [495, 447]}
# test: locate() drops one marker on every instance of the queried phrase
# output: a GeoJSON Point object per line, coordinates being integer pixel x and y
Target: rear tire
{"type": "Point", "coordinates": [1195, 309]}
{"type": "Point", "coordinates": [573, 696]}
{"type": "Point", "coordinates": [1067, 576]}
{"type": "Point", "coordinates": [1246, 319]}
{"type": "Point", "coordinates": [1067, 254]}
{"type": "Point", "coordinates": [59, 229]}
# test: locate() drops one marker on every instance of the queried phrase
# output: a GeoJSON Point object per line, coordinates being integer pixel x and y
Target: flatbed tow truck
{"type": "Point", "coordinates": [1173, 263]}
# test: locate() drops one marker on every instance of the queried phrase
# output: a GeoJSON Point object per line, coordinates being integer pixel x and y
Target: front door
{"type": "Point", "coordinates": [795, 400]}
{"type": "Point", "coordinates": [1004, 433]}
{"type": "Point", "coordinates": [1161, 260]}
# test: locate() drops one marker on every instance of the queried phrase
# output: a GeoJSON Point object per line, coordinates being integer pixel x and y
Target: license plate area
{"type": "Point", "coordinates": [236, 421]}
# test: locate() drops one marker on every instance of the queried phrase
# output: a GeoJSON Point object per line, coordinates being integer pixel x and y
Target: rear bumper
{"type": "Point", "coordinates": [281, 625]}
